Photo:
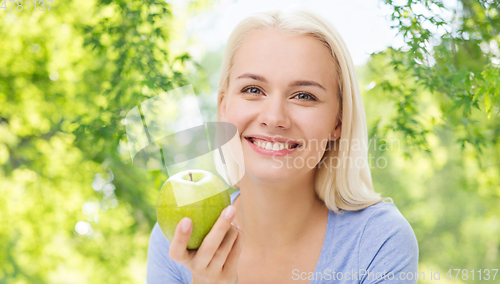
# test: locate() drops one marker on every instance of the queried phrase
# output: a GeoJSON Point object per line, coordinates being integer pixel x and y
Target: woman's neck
{"type": "Point", "coordinates": [277, 216]}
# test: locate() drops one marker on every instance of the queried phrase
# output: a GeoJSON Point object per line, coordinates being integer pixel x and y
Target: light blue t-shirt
{"type": "Point", "coordinates": [359, 247]}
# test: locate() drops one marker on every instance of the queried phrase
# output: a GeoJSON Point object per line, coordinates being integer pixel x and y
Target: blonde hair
{"type": "Point", "coordinates": [344, 186]}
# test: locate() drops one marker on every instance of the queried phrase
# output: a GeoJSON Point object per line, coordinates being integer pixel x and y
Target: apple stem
{"type": "Point", "coordinates": [191, 176]}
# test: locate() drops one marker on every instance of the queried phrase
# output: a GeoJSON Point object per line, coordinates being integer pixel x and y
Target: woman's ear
{"type": "Point", "coordinates": [222, 107]}
{"type": "Point", "coordinates": [338, 130]}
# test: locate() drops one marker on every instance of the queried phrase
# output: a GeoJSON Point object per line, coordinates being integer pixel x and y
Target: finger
{"type": "Point", "coordinates": [231, 263]}
{"type": "Point", "coordinates": [225, 247]}
{"type": "Point", "coordinates": [178, 248]}
{"type": "Point", "coordinates": [214, 238]}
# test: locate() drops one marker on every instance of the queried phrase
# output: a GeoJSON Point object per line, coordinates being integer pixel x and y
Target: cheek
{"type": "Point", "coordinates": [239, 112]}
{"type": "Point", "coordinates": [317, 129]}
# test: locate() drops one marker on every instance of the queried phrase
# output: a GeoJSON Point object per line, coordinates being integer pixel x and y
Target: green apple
{"type": "Point", "coordinates": [197, 194]}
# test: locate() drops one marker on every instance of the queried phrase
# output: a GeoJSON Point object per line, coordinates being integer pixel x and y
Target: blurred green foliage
{"type": "Point", "coordinates": [453, 53]}
{"type": "Point", "coordinates": [68, 78]}
{"type": "Point", "coordinates": [433, 114]}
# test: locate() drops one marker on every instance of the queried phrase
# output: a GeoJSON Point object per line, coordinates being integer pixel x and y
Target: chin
{"type": "Point", "coordinates": [270, 172]}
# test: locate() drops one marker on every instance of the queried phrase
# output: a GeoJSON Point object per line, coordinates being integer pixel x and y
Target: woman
{"type": "Point", "coordinates": [305, 210]}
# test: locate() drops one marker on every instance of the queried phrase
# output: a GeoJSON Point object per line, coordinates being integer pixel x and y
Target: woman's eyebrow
{"type": "Point", "coordinates": [292, 84]}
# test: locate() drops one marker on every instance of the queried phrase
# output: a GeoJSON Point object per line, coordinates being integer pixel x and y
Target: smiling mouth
{"type": "Point", "coordinates": [268, 145]}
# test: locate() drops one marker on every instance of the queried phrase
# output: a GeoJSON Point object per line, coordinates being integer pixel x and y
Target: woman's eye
{"type": "Point", "coordinates": [257, 91]}
{"type": "Point", "coordinates": [305, 96]}
{"type": "Point", "coordinates": [252, 90]}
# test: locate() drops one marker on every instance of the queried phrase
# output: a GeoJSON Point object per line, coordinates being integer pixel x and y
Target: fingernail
{"type": "Point", "coordinates": [186, 225]}
{"type": "Point", "coordinates": [229, 213]}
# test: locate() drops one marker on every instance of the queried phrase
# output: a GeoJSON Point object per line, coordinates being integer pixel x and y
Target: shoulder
{"type": "Point", "coordinates": [382, 216]}
{"type": "Point", "coordinates": [384, 221]}
{"type": "Point", "coordinates": [386, 240]}
{"type": "Point", "coordinates": [380, 219]}
{"type": "Point", "coordinates": [379, 236]}
{"type": "Point", "coordinates": [376, 212]}
{"type": "Point", "coordinates": [378, 223]}
{"type": "Point", "coordinates": [160, 267]}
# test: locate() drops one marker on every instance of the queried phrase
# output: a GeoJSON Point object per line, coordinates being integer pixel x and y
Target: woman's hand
{"type": "Point", "coordinates": [216, 259]}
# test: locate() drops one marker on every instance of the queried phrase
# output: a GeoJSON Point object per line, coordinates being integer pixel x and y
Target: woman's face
{"type": "Point", "coordinates": [282, 87]}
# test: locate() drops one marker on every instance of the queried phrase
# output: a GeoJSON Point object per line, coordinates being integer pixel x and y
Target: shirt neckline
{"type": "Point", "coordinates": [324, 246]}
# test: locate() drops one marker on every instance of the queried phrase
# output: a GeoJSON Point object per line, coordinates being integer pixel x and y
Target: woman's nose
{"type": "Point", "coordinates": [275, 113]}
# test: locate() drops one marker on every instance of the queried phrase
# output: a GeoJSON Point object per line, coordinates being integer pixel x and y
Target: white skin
{"type": "Point", "coordinates": [278, 208]}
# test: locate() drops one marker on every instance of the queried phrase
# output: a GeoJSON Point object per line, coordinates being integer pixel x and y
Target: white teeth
{"type": "Point", "coordinates": [270, 146]}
